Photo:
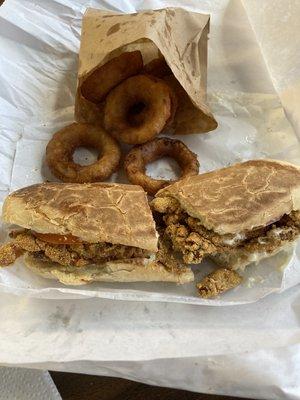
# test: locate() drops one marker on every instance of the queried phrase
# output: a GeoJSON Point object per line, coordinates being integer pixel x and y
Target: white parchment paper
{"type": "Point", "coordinates": [250, 350]}
{"type": "Point", "coordinates": [38, 71]}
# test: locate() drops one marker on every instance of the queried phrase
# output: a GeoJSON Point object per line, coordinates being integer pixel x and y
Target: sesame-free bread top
{"type": "Point", "coordinates": [241, 197]}
{"type": "Point", "coordinates": [96, 212]}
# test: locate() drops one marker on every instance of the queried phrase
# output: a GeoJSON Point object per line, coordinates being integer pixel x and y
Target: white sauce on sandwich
{"type": "Point", "coordinates": [150, 259]}
{"type": "Point", "coordinates": [236, 239]}
{"type": "Point", "coordinates": [255, 257]}
{"type": "Point", "coordinates": [262, 240]}
{"type": "Point", "coordinates": [277, 231]}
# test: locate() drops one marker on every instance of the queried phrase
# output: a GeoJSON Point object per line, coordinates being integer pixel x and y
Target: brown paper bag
{"type": "Point", "coordinates": [179, 35]}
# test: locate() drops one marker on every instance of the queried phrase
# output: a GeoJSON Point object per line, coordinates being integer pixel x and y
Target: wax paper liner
{"type": "Point", "coordinates": [37, 98]}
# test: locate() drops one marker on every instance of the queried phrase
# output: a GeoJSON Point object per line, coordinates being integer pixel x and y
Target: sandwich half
{"type": "Point", "coordinates": [80, 233]}
{"type": "Point", "coordinates": [235, 215]}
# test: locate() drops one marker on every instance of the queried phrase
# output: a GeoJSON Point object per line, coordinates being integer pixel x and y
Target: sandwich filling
{"type": "Point", "coordinates": [194, 242]}
{"type": "Point", "coordinates": [65, 250]}
{"type": "Point", "coordinates": [72, 252]}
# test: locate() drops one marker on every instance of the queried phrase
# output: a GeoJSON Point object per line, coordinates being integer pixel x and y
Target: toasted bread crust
{"type": "Point", "coordinates": [241, 197]}
{"type": "Point", "coordinates": [113, 271]}
{"type": "Point", "coordinates": [97, 212]}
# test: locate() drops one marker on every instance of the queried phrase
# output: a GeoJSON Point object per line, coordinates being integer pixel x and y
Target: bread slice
{"type": "Point", "coordinates": [95, 212]}
{"type": "Point", "coordinates": [241, 197]}
{"type": "Point", "coordinates": [113, 271]}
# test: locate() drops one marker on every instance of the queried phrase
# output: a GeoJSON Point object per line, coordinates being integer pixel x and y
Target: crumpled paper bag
{"type": "Point", "coordinates": [179, 35]}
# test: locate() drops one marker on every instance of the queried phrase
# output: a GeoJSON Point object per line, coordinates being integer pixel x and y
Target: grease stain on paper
{"type": "Point", "coordinates": [168, 27]}
{"type": "Point", "coordinates": [65, 319]}
{"type": "Point", "coordinates": [171, 12]}
{"type": "Point", "coordinates": [60, 317]}
{"type": "Point", "coordinates": [113, 29]}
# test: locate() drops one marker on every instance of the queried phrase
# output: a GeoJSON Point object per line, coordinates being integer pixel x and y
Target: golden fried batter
{"type": "Point", "coordinates": [77, 255]}
{"type": "Point", "coordinates": [217, 282]}
{"type": "Point", "coordinates": [189, 237]}
{"type": "Point", "coordinates": [26, 242]}
{"type": "Point", "coordinates": [192, 246]}
{"type": "Point", "coordinates": [62, 254]}
{"type": "Point", "coordinates": [166, 256]}
{"type": "Point", "coordinates": [8, 254]}
{"type": "Point", "coordinates": [165, 205]}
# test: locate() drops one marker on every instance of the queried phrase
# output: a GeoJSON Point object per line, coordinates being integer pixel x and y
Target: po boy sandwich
{"type": "Point", "coordinates": [235, 215]}
{"type": "Point", "coordinates": [80, 233]}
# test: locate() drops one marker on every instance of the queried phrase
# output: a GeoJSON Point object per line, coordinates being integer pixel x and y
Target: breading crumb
{"type": "Point", "coordinates": [164, 204]}
{"type": "Point", "coordinates": [8, 254]}
{"type": "Point", "coordinates": [217, 282]}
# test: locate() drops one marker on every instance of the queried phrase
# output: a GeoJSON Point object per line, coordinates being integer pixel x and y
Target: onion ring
{"type": "Point", "coordinates": [157, 67]}
{"type": "Point", "coordinates": [174, 105]}
{"type": "Point", "coordinates": [104, 78]}
{"type": "Point", "coordinates": [137, 159]}
{"type": "Point", "coordinates": [137, 110]}
{"type": "Point", "coordinates": [60, 149]}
